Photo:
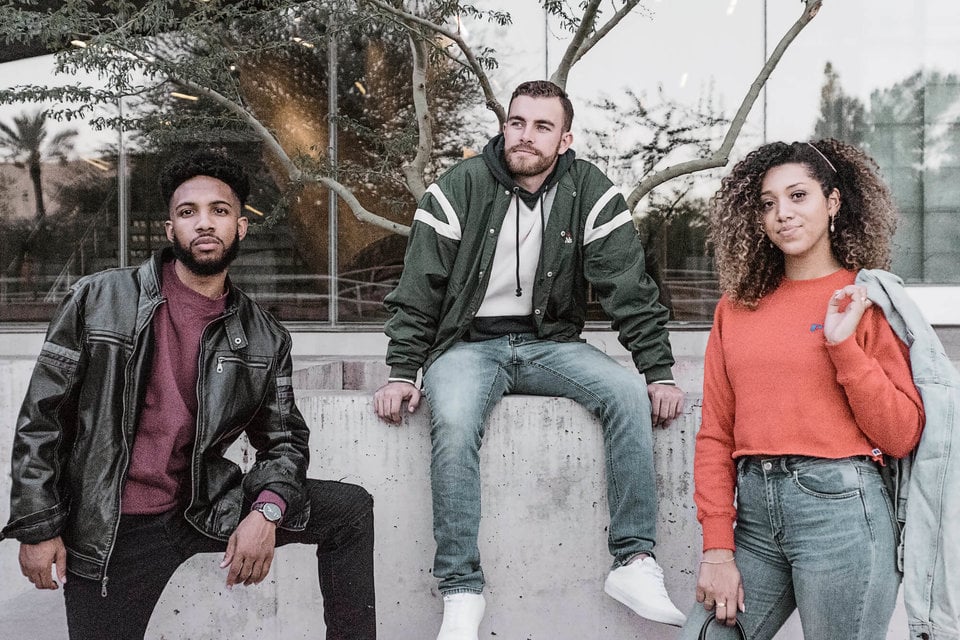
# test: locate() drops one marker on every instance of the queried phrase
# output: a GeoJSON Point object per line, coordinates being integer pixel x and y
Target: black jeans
{"type": "Point", "coordinates": [150, 548]}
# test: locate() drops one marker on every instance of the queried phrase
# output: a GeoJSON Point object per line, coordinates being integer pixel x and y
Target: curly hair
{"type": "Point", "coordinates": [749, 265]}
{"type": "Point", "coordinates": [546, 89]}
{"type": "Point", "coordinates": [204, 163]}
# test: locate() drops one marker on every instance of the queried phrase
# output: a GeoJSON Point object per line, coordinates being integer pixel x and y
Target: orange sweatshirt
{"type": "Point", "coordinates": [773, 386]}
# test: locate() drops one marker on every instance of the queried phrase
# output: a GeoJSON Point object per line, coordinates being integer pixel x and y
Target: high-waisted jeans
{"type": "Point", "coordinates": [462, 387]}
{"type": "Point", "coordinates": [814, 535]}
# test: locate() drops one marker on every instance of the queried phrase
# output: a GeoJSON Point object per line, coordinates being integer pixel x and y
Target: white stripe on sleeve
{"type": "Point", "coordinates": [450, 228]}
{"type": "Point", "coordinates": [590, 232]}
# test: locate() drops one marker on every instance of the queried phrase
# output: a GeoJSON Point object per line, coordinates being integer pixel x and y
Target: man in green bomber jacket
{"type": "Point", "coordinates": [492, 300]}
{"type": "Point", "coordinates": [146, 377]}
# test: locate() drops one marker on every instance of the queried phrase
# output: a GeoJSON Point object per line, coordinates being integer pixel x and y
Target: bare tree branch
{"type": "Point", "coordinates": [358, 209]}
{"type": "Point", "coordinates": [604, 30]}
{"type": "Point", "coordinates": [294, 172]}
{"type": "Point", "coordinates": [722, 155]}
{"type": "Point", "coordinates": [492, 103]}
{"type": "Point", "coordinates": [262, 132]}
{"type": "Point", "coordinates": [413, 172]}
{"type": "Point", "coordinates": [587, 20]}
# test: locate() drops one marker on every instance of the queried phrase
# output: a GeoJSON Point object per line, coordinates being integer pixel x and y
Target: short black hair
{"type": "Point", "coordinates": [546, 89]}
{"type": "Point", "coordinates": [204, 163]}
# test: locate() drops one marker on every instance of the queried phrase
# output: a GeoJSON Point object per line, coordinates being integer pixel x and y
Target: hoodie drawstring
{"type": "Point", "coordinates": [516, 195]}
{"type": "Point", "coordinates": [517, 227]}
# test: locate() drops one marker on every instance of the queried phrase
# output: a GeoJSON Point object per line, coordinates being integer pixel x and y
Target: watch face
{"type": "Point", "coordinates": [270, 511]}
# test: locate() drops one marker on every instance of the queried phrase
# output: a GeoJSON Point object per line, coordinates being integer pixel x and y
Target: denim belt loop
{"type": "Point", "coordinates": [742, 462]}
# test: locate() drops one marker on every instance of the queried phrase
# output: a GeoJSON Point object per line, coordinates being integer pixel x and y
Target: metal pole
{"type": "Point", "coordinates": [123, 213]}
{"type": "Point", "coordinates": [332, 156]}
{"type": "Point", "coordinates": [765, 62]}
{"type": "Point", "coordinates": [546, 43]}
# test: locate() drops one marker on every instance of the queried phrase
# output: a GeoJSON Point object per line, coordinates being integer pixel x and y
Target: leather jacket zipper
{"type": "Point", "coordinates": [253, 365]}
{"type": "Point", "coordinates": [126, 448]}
{"type": "Point", "coordinates": [197, 425]}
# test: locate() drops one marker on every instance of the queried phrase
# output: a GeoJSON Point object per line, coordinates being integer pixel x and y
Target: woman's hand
{"type": "Point", "coordinates": [719, 586]}
{"type": "Point", "coordinates": [844, 310]}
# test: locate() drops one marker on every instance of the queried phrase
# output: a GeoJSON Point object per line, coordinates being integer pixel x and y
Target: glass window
{"type": "Point", "coordinates": [659, 89]}
{"type": "Point", "coordinates": [891, 84]}
{"type": "Point", "coordinates": [58, 200]}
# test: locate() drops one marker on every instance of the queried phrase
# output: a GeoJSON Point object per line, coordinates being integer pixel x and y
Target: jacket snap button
{"type": "Point", "coordinates": [549, 274]}
{"type": "Point", "coordinates": [767, 466]}
{"type": "Point", "coordinates": [237, 340]}
{"type": "Point", "coordinates": [492, 231]}
{"type": "Point", "coordinates": [537, 311]}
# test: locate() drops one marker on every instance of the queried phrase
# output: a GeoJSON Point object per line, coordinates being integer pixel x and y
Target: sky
{"type": "Point", "coordinates": [689, 45]}
{"type": "Point", "coordinates": [700, 48]}
{"type": "Point", "coordinates": [40, 70]}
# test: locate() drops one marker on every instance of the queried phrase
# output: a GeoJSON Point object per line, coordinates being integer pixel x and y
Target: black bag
{"type": "Point", "coordinates": [706, 625]}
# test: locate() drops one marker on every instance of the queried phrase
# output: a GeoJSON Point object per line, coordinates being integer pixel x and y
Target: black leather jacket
{"type": "Point", "coordinates": [78, 421]}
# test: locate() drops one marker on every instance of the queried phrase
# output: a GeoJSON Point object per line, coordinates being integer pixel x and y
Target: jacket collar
{"type": "Point", "coordinates": [149, 274]}
{"type": "Point", "coordinates": [494, 159]}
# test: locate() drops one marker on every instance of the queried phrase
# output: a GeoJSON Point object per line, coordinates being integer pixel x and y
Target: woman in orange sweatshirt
{"type": "Point", "coordinates": [806, 389]}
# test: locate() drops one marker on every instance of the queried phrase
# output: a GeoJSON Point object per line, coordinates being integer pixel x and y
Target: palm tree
{"type": "Point", "coordinates": [27, 145]}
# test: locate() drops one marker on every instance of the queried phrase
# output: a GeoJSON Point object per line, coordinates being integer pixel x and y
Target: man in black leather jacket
{"type": "Point", "coordinates": [146, 377]}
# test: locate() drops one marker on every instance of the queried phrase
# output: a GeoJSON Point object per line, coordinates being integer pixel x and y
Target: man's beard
{"type": "Point", "coordinates": [534, 165]}
{"type": "Point", "coordinates": [208, 267]}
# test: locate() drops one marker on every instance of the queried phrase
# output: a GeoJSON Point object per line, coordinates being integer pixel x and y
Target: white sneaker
{"type": "Point", "coordinates": [462, 613]}
{"type": "Point", "coordinates": [639, 585]}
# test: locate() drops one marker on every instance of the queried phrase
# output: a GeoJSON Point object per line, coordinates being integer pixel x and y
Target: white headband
{"type": "Point", "coordinates": [825, 159]}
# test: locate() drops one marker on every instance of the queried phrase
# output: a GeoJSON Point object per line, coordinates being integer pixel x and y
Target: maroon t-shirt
{"type": "Point", "coordinates": [159, 462]}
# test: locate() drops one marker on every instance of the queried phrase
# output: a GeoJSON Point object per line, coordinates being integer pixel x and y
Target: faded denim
{"type": "Point", "coordinates": [462, 387]}
{"type": "Point", "coordinates": [815, 535]}
{"type": "Point", "coordinates": [928, 504]}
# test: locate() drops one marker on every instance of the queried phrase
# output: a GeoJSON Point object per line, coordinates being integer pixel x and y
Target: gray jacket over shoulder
{"type": "Point", "coordinates": [927, 483]}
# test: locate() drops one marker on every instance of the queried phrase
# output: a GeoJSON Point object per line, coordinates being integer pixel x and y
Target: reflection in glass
{"type": "Point", "coordinates": [58, 191]}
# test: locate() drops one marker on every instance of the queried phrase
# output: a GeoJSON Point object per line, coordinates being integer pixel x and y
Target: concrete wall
{"type": "Point", "coordinates": [543, 537]}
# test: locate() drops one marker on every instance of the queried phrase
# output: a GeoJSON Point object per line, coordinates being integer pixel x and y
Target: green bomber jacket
{"type": "Point", "coordinates": [589, 238]}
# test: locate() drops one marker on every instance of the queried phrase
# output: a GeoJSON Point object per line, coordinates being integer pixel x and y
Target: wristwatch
{"type": "Point", "coordinates": [269, 510]}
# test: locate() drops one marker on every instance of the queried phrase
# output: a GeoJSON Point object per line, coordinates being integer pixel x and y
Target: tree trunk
{"type": "Point", "coordinates": [37, 188]}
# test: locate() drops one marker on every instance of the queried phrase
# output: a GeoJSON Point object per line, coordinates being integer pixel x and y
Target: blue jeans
{"type": "Point", "coordinates": [149, 548]}
{"type": "Point", "coordinates": [814, 535]}
{"type": "Point", "coordinates": [462, 387]}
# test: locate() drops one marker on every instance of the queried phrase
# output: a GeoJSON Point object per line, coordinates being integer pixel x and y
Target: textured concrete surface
{"type": "Point", "coordinates": [543, 538]}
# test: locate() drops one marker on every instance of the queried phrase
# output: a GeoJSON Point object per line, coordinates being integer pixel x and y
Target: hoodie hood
{"type": "Point", "coordinates": [493, 157]}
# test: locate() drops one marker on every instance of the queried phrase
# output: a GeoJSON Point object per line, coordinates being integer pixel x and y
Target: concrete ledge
{"type": "Point", "coordinates": [543, 537]}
